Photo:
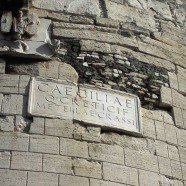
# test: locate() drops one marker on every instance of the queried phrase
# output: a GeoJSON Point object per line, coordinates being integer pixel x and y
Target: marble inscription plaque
{"type": "Point", "coordinates": [97, 106]}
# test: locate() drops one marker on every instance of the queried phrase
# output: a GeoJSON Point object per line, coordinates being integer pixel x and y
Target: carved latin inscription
{"type": "Point", "coordinates": [106, 108]}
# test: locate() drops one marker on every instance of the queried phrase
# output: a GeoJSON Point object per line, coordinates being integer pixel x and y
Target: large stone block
{"type": "Point", "coordinates": [170, 133]}
{"type": "Point", "coordinates": [9, 83]}
{"type": "Point", "coordinates": [161, 149]}
{"type": "Point", "coordinates": [147, 178]}
{"type": "Point", "coordinates": [173, 81]}
{"type": "Point", "coordinates": [14, 141]}
{"type": "Point", "coordinates": [160, 130]}
{"type": "Point", "coordinates": [119, 173]}
{"type": "Point", "coordinates": [178, 118]}
{"type": "Point", "coordinates": [149, 128]}
{"type": "Point", "coordinates": [13, 177]}
{"type": "Point", "coordinates": [38, 126]}
{"type": "Point", "coordinates": [182, 153]}
{"type": "Point", "coordinates": [108, 153]}
{"type": "Point", "coordinates": [24, 84]}
{"type": "Point", "coordinates": [173, 153]}
{"type": "Point", "coordinates": [57, 164]}
{"type": "Point", "coordinates": [87, 168]}
{"type": "Point", "coordinates": [42, 179]}
{"type": "Point", "coordinates": [26, 161]}
{"type": "Point", "coordinates": [165, 166]}
{"type": "Point", "coordinates": [13, 104]}
{"type": "Point", "coordinates": [67, 180]}
{"type": "Point", "coordinates": [5, 159]}
{"type": "Point", "coordinates": [176, 169]}
{"type": "Point", "coordinates": [181, 79]}
{"type": "Point", "coordinates": [166, 97]}
{"type": "Point", "coordinates": [90, 7]}
{"type": "Point", "coordinates": [141, 160]}
{"type": "Point", "coordinates": [58, 127]}
{"type": "Point", "coordinates": [7, 123]}
{"type": "Point", "coordinates": [70, 147]}
{"type": "Point", "coordinates": [44, 144]}
{"type": "Point", "coordinates": [181, 134]}
{"type": "Point", "coordinates": [94, 182]}
{"type": "Point", "coordinates": [178, 99]}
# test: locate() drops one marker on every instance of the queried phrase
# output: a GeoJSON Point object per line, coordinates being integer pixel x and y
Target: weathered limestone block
{"type": "Point", "coordinates": [24, 84]}
{"type": "Point", "coordinates": [173, 81]}
{"type": "Point", "coordinates": [176, 169]}
{"type": "Point", "coordinates": [21, 124]}
{"type": "Point", "coordinates": [67, 72]}
{"type": "Point", "coordinates": [147, 178]}
{"type": "Point", "coordinates": [7, 123]}
{"type": "Point", "coordinates": [26, 161]}
{"type": "Point", "coordinates": [178, 118]}
{"type": "Point", "coordinates": [181, 134]}
{"type": "Point", "coordinates": [124, 174]}
{"type": "Point", "coordinates": [4, 160]}
{"type": "Point", "coordinates": [37, 127]}
{"type": "Point", "coordinates": [44, 144]}
{"type": "Point", "coordinates": [181, 79]}
{"type": "Point", "coordinates": [165, 166]}
{"type": "Point", "coordinates": [9, 83]}
{"type": "Point", "coordinates": [94, 182]}
{"type": "Point", "coordinates": [86, 168]}
{"type": "Point", "coordinates": [182, 153]}
{"type": "Point", "coordinates": [170, 133]}
{"type": "Point", "coordinates": [90, 7]}
{"type": "Point", "coordinates": [14, 141]}
{"type": "Point", "coordinates": [70, 147]}
{"type": "Point", "coordinates": [141, 4]}
{"type": "Point", "coordinates": [149, 128]}
{"type": "Point", "coordinates": [57, 164]}
{"type": "Point", "coordinates": [42, 179]}
{"type": "Point", "coordinates": [178, 99]}
{"type": "Point", "coordinates": [129, 14]}
{"type": "Point", "coordinates": [57, 127]}
{"type": "Point", "coordinates": [161, 149]}
{"type": "Point", "coordinates": [107, 22]}
{"type": "Point", "coordinates": [141, 160]}
{"type": "Point", "coordinates": [166, 97]}
{"type": "Point", "coordinates": [160, 130]}
{"type": "Point", "coordinates": [13, 177]}
{"type": "Point", "coordinates": [13, 104]}
{"type": "Point", "coordinates": [68, 180]}
{"type": "Point", "coordinates": [108, 153]}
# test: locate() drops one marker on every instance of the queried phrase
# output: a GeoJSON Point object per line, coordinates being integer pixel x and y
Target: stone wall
{"type": "Point", "coordinates": [135, 46]}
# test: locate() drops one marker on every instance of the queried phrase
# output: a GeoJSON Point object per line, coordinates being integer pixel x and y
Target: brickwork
{"type": "Point", "coordinates": [127, 45]}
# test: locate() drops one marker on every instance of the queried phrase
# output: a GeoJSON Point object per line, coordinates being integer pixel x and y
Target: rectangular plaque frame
{"type": "Point", "coordinates": [91, 105]}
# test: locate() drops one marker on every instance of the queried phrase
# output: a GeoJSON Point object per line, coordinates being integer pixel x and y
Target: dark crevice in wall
{"type": "Point", "coordinates": [103, 7]}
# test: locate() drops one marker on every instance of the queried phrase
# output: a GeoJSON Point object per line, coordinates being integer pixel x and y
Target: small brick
{"type": "Point", "coordinates": [165, 166]}
{"type": "Point", "coordinates": [161, 149]}
{"type": "Point", "coordinates": [94, 182]}
{"type": "Point", "coordinates": [14, 141]}
{"type": "Point", "coordinates": [160, 130]}
{"type": "Point", "coordinates": [149, 128]}
{"type": "Point", "coordinates": [170, 133]}
{"type": "Point", "coordinates": [57, 164]}
{"type": "Point", "coordinates": [86, 168]}
{"type": "Point", "coordinates": [12, 178]}
{"type": "Point", "coordinates": [181, 137]}
{"type": "Point", "coordinates": [173, 153]}
{"type": "Point", "coordinates": [44, 144]}
{"type": "Point", "coordinates": [176, 169]}
{"type": "Point", "coordinates": [57, 127]}
{"type": "Point", "coordinates": [147, 178]}
{"type": "Point", "coordinates": [24, 84]}
{"type": "Point", "coordinates": [182, 152]}
{"type": "Point", "coordinates": [4, 159]}
{"type": "Point", "coordinates": [108, 153]}
{"type": "Point", "coordinates": [13, 104]}
{"type": "Point", "coordinates": [7, 123]}
{"type": "Point", "coordinates": [69, 147]}
{"type": "Point", "coordinates": [42, 179]}
{"type": "Point", "coordinates": [119, 173]}
{"type": "Point", "coordinates": [9, 83]}
{"type": "Point", "coordinates": [26, 161]}
{"type": "Point", "coordinates": [67, 180]}
{"type": "Point", "coordinates": [143, 160]}
{"type": "Point", "coordinates": [38, 126]}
